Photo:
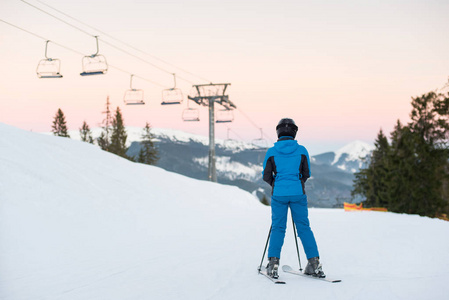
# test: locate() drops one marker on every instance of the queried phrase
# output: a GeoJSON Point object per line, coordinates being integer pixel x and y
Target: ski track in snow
{"type": "Point", "coordinates": [80, 223]}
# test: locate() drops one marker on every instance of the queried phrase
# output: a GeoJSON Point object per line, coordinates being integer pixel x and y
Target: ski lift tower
{"type": "Point", "coordinates": [207, 95]}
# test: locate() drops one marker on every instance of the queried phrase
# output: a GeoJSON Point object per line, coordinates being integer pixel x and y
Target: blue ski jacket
{"type": "Point", "coordinates": [286, 167]}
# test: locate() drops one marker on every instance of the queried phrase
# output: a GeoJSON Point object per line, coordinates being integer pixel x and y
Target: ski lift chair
{"type": "Point", "coordinates": [260, 142]}
{"type": "Point", "coordinates": [49, 67]}
{"type": "Point", "coordinates": [224, 116]}
{"type": "Point", "coordinates": [94, 64]}
{"type": "Point", "coordinates": [190, 115]}
{"type": "Point", "coordinates": [133, 96]}
{"type": "Point", "coordinates": [228, 141]}
{"type": "Point", "coordinates": [173, 95]}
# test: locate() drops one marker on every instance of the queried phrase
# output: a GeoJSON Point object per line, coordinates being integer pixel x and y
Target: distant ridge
{"type": "Point", "coordinates": [240, 163]}
{"type": "Point", "coordinates": [354, 150]}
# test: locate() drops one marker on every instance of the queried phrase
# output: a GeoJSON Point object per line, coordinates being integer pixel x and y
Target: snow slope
{"type": "Point", "coordinates": [80, 223]}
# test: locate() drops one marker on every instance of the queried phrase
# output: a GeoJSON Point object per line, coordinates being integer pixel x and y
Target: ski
{"type": "Point", "coordinates": [289, 269]}
{"type": "Point", "coordinates": [274, 280]}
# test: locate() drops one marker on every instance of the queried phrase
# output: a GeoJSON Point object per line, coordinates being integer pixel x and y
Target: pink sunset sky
{"type": "Point", "coordinates": [341, 69]}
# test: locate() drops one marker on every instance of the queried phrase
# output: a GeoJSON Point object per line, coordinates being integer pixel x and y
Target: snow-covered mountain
{"type": "Point", "coordinates": [240, 163]}
{"type": "Point", "coordinates": [349, 158]}
{"type": "Point", "coordinates": [80, 223]}
{"type": "Point", "coordinates": [177, 136]}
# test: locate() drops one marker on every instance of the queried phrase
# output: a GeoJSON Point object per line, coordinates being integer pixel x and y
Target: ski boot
{"type": "Point", "coordinates": [314, 268]}
{"type": "Point", "coordinates": [273, 266]}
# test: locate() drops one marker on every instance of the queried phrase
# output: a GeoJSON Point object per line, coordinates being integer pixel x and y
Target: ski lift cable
{"type": "Point", "coordinates": [141, 59]}
{"type": "Point", "coordinates": [235, 133]}
{"type": "Point", "coordinates": [446, 85]}
{"type": "Point", "coordinates": [255, 125]}
{"type": "Point", "coordinates": [80, 53]}
{"type": "Point", "coordinates": [41, 37]}
{"type": "Point", "coordinates": [443, 88]}
{"type": "Point", "coordinates": [124, 43]}
{"type": "Point", "coordinates": [57, 18]}
{"type": "Point", "coordinates": [138, 76]}
{"type": "Point", "coordinates": [111, 45]}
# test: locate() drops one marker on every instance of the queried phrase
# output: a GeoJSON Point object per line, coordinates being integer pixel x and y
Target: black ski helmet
{"type": "Point", "coordinates": [286, 127]}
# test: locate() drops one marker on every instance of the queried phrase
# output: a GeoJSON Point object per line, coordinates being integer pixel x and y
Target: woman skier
{"type": "Point", "coordinates": [286, 168]}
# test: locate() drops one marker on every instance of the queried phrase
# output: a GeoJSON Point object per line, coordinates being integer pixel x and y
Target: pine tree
{"type": "Point", "coordinates": [104, 140]}
{"type": "Point", "coordinates": [373, 182]}
{"type": "Point", "coordinates": [403, 177]}
{"type": "Point", "coordinates": [148, 153]}
{"type": "Point", "coordinates": [430, 126]}
{"type": "Point", "coordinates": [59, 127]}
{"type": "Point", "coordinates": [86, 133]}
{"type": "Point", "coordinates": [382, 171]}
{"type": "Point", "coordinates": [118, 136]}
{"type": "Point", "coordinates": [430, 118]}
{"type": "Point", "coordinates": [411, 174]}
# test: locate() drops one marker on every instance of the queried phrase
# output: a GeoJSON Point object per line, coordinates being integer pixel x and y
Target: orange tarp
{"type": "Point", "coordinates": [353, 206]}
{"type": "Point", "coordinates": [443, 217]}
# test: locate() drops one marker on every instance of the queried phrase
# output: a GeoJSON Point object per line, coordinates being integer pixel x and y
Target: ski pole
{"type": "Point", "coordinates": [296, 243]}
{"type": "Point", "coordinates": [265, 250]}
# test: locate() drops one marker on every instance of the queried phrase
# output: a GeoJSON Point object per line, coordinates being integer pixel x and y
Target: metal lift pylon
{"type": "Point", "coordinates": [208, 95]}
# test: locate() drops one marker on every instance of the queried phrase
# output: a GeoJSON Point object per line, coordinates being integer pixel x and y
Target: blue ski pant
{"type": "Point", "coordinates": [300, 213]}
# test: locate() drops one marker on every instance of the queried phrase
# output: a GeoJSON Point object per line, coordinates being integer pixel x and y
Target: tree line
{"type": "Point", "coordinates": [113, 136]}
{"type": "Point", "coordinates": [409, 172]}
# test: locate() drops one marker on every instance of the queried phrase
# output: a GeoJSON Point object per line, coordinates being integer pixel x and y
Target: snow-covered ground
{"type": "Point", "coordinates": [80, 223]}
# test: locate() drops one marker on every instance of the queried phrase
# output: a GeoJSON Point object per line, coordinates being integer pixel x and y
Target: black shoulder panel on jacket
{"type": "Point", "coordinates": [304, 168]}
{"type": "Point", "coordinates": [270, 171]}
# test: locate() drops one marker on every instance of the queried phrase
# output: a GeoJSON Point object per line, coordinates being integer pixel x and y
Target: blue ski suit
{"type": "Point", "coordinates": [286, 168]}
